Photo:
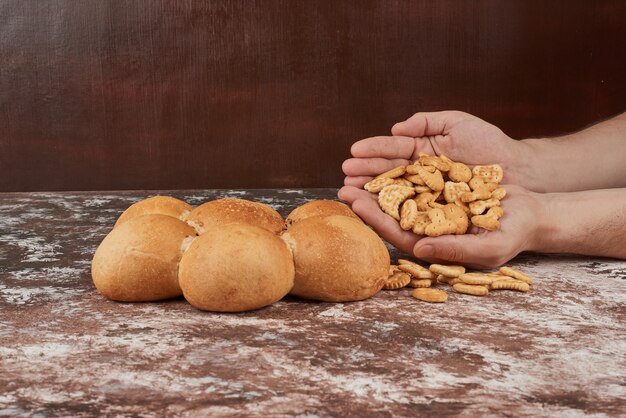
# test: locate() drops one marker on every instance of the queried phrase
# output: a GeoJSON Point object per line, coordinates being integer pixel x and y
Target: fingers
{"type": "Point", "coordinates": [365, 204]}
{"type": "Point", "coordinates": [389, 147]}
{"type": "Point", "coordinates": [483, 250]}
{"type": "Point", "coordinates": [351, 194]}
{"type": "Point", "coordinates": [358, 181]}
{"type": "Point", "coordinates": [428, 123]}
{"type": "Point", "coordinates": [355, 167]}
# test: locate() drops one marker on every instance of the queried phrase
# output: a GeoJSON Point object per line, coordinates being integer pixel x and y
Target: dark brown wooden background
{"type": "Point", "coordinates": [133, 94]}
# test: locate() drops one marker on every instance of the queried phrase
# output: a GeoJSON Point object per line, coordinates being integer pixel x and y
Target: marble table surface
{"type": "Point", "coordinates": [559, 350]}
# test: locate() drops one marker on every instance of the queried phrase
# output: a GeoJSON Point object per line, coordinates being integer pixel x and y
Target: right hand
{"type": "Point", "coordinates": [459, 136]}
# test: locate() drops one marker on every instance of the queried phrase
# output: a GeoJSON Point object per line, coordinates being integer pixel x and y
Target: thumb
{"type": "Point", "coordinates": [478, 251]}
{"type": "Point", "coordinates": [428, 123]}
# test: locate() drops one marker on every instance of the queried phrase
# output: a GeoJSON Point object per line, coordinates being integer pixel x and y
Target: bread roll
{"type": "Point", "coordinates": [236, 267]}
{"type": "Point", "coordinates": [319, 208]}
{"type": "Point", "coordinates": [224, 211]}
{"type": "Point", "coordinates": [138, 260]}
{"type": "Point", "coordinates": [337, 259]}
{"type": "Point", "coordinates": [164, 205]}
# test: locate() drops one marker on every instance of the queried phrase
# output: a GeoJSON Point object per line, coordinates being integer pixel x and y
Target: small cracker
{"type": "Point", "coordinates": [516, 274]}
{"type": "Point", "coordinates": [414, 178]}
{"type": "Point", "coordinates": [463, 206]}
{"type": "Point", "coordinates": [420, 283]}
{"type": "Point", "coordinates": [492, 173]}
{"type": "Point", "coordinates": [459, 172]}
{"type": "Point", "coordinates": [448, 280]}
{"type": "Point", "coordinates": [490, 223]}
{"type": "Point", "coordinates": [495, 211]}
{"type": "Point", "coordinates": [475, 183]}
{"type": "Point", "coordinates": [491, 186]}
{"type": "Point", "coordinates": [497, 276]}
{"type": "Point", "coordinates": [429, 168]}
{"type": "Point", "coordinates": [439, 225]}
{"type": "Point", "coordinates": [421, 222]}
{"type": "Point", "coordinates": [448, 271]}
{"type": "Point", "coordinates": [446, 159]}
{"type": "Point", "coordinates": [397, 280]}
{"type": "Point", "coordinates": [470, 289]}
{"type": "Point", "coordinates": [482, 193]}
{"type": "Point", "coordinates": [476, 279]}
{"type": "Point", "coordinates": [430, 295]}
{"type": "Point", "coordinates": [408, 214]}
{"type": "Point", "coordinates": [510, 285]}
{"type": "Point", "coordinates": [393, 269]}
{"type": "Point", "coordinates": [434, 161]}
{"type": "Point", "coordinates": [424, 201]}
{"type": "Point", "coordinates": [417, 271]}
{"type": "Point", "coordinates": [432, 180]}
{"type": "Point", "coordinates": [391, 197]}
{"type": "Point", "coordinates": [480, 206]}
{"type": "Point", "coordinates": [457, 215]}
{"type": "Point", "coordinates": [453, 191]}
{"type": "Point", "coordinates": [412, 168]}
{"type": "Point", "coordinates": [393, 173]}
{"type": "Point", "coordinates": [377, 185]}
{"type": "Point", "coordinates": [403, 261]}
{"type": "Point", "coordinates": [498, 193]}
{"type": "Point", "coordinates": [402, 182]}
{"type": "Point", "coordinates": [441, 279]}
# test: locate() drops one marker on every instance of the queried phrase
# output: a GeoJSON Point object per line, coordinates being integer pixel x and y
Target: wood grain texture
{"type": "Point", "coordinates": [180, 94]}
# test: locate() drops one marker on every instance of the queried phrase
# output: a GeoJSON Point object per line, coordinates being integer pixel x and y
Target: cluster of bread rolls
{"type": "Point", "coordinates": [233, 255]}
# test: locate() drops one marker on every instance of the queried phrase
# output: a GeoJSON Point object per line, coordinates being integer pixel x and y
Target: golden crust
{"type": "Point", "coordinates": [138, 260]}
{"type": "Point", "coordinates": [164, 205]}
{"type": "Point", "coordinates": [225, 211]}
{"type": "Point", "coordinates": [319, 208]}
{"type": "Point", "coordinates": [337, 259]}
{"type": "Point", "coordinates": [215, 275]}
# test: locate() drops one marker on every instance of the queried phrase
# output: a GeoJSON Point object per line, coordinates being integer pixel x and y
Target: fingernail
{"type": "Point", "coordinates": [425, 251]}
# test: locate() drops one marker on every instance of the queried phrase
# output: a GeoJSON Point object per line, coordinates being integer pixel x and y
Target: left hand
{"type": "Point", "coordinates": [478, 248]}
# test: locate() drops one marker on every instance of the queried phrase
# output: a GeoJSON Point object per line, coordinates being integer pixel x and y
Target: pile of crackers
{"type": "Point", "coordinates": [437, 196]}
{"type": "Point", "coordinates": [408, 273]}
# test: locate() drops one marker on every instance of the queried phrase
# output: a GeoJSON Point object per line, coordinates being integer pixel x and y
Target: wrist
{"type": "Point", "coordinates": [547, 234]}
{"type": "Point", "coordinates": [529, 163]}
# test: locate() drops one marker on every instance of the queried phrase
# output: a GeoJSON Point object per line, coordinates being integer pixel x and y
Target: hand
{"type": "Point", "coordinates": [489, 249]}
{"type": "Point", "coordinates": [459, 136]}
{"type": "Point", "coordinates": [478, 248]}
